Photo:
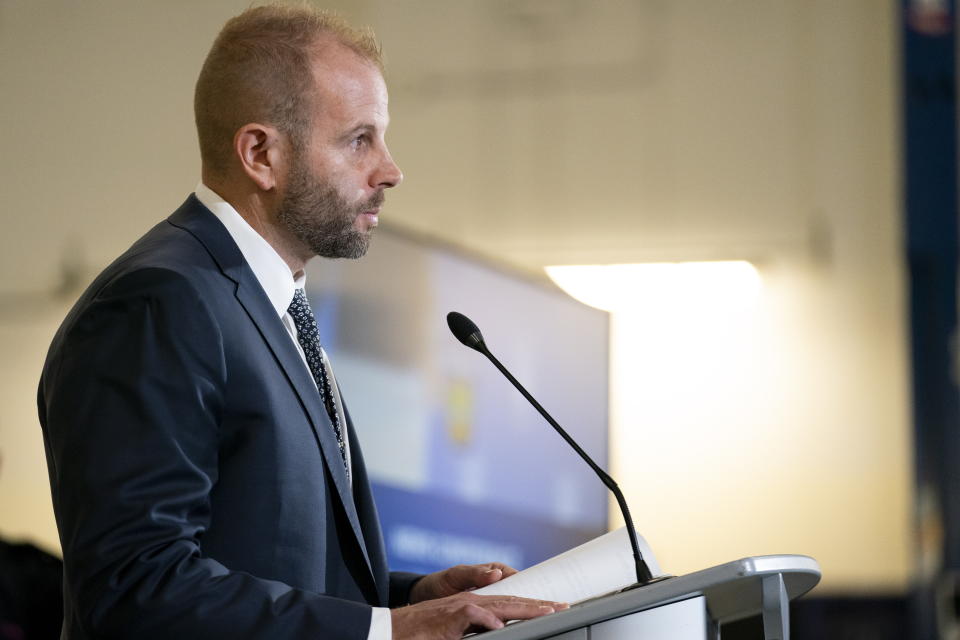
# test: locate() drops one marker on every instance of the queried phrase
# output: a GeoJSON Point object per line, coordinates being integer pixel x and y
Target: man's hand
{"type": "Point", "coordinates": [450, 617]}
{"type": "Point", "coordinates": [464, 577]}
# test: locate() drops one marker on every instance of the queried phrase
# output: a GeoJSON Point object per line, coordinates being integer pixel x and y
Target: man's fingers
{"type": "Point", "coordinates": [504, 570]}
{"type": "Point", "coordinates": [483, 576]}
{"type": "Point", "coordinates": [467, 576]}
{"type": "Point", "coordinates": [514, 608]}
{"type": "Point", "coordinates": [464, 577]}
{"type": "Point", "coordinates": [507, 571]}
{"type": "Point", "coordinates": [448, 618]}
{"type": "Point", "coordinates": [480, 575]}
{"type": "Point", "coordinates": [522, 600]}
{"type": "Point", "coordinates": [479, 616]}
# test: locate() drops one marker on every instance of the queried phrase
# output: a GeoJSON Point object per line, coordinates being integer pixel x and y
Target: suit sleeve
{"type": "Point", "coordinates": [400, 585]}
{"type": "Point", "coordinates": [130, 403]}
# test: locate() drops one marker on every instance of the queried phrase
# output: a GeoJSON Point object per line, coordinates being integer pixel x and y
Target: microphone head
{"type": "Point", "coordinates": [465, 331]}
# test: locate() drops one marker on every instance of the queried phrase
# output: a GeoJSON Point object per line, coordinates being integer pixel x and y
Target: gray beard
{"type": "Point", "coordinates": [315, 213]}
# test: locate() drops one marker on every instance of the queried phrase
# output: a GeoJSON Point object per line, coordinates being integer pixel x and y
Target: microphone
{"type": "Point", "coordinates": [467, 332]}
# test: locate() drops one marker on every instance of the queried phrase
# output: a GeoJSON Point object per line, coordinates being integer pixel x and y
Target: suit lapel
{"type": "Point", "coordinates": [197, 220]}
{"type": "Point", "coordinates": [367, 510]}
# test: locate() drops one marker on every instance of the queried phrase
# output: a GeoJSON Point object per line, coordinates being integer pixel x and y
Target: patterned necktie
{"type": "Point", "coordinates": [309, 338]}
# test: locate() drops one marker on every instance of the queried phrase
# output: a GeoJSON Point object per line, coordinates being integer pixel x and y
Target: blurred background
{"type": "Point", "coordinates": [801, 400]}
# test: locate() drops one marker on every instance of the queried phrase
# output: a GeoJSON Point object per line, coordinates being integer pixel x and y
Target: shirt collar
{"type": "Point", "coordinates": [271, 271]}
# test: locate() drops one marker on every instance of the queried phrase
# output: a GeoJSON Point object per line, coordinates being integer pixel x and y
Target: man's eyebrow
{"type": "Point", "coordinates": [360, 128]}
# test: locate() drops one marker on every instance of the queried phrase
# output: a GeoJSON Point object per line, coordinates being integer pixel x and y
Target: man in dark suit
{"type": "Point", "coordinates": [206, 477]}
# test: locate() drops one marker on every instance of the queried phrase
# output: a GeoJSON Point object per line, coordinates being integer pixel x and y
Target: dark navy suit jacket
{"type": "Point", "coordinates": [197, 483]}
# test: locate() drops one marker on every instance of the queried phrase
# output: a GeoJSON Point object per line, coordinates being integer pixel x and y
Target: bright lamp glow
{"type": "Point", "coordinates": [677, 285]}
{"type": "Point", "coordinates": [687, 380]}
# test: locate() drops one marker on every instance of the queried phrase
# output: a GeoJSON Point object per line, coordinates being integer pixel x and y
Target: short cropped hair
{"type": "Point", "coordinates": [259, 70]}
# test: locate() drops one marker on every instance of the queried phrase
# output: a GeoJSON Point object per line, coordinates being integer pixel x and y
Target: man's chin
{"type": "Point", "coordinates": [351, 249]}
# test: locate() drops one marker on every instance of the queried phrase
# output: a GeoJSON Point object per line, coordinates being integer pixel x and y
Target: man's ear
{"type": "Point", "coordinates": [259, 149]}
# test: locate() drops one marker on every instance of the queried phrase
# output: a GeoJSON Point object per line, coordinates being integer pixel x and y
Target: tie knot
{"type": "Point", "coordinates": [299, 300]}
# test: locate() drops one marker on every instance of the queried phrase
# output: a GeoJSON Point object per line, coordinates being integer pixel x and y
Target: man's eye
{"type": "Point", "coordinates": [359, 141]}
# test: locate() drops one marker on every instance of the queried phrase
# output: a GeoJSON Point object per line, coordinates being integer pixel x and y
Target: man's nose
{"type": "Point", "coordinates": [388, 173]}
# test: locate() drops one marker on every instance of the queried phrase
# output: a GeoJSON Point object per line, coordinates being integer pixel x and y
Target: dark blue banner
{"type": "Point", "coordinates": [930, 168]}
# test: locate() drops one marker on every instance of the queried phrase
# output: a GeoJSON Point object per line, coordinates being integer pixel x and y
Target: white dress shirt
{"type": "Point", "coordinates": [279, 283]}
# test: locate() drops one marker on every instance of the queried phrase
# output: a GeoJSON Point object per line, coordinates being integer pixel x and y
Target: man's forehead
{"type": "Point", "coordinates": [345, 73]}
{"type": "Point", "coordinates": [351, 92]}
{"type": "Point", "coordinates": [329, 55]}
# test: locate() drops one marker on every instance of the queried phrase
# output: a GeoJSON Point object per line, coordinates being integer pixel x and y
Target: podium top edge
{"type": "Point", "coordinates": [781, 564]}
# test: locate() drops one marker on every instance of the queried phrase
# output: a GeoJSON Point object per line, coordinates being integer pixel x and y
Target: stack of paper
{"type": "Point", "coordinates": [603, 565]}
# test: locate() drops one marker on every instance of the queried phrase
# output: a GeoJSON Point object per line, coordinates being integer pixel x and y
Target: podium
{"type": "Point", "coordinates": [689, 607]}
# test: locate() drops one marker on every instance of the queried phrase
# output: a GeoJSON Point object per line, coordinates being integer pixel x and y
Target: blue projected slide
{"type": "Point", "coordinates": [464, 470]}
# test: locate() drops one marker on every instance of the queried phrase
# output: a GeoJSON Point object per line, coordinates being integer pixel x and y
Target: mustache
{"type": "Point", "coordinates": [373, 202]}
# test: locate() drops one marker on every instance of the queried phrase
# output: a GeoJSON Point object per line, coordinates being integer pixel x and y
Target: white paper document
{"type": "Point", "coordinates": [594, 568]}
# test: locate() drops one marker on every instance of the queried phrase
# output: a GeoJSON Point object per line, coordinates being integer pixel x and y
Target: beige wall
{"type": "Point", "coordinates": [546, 133]}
